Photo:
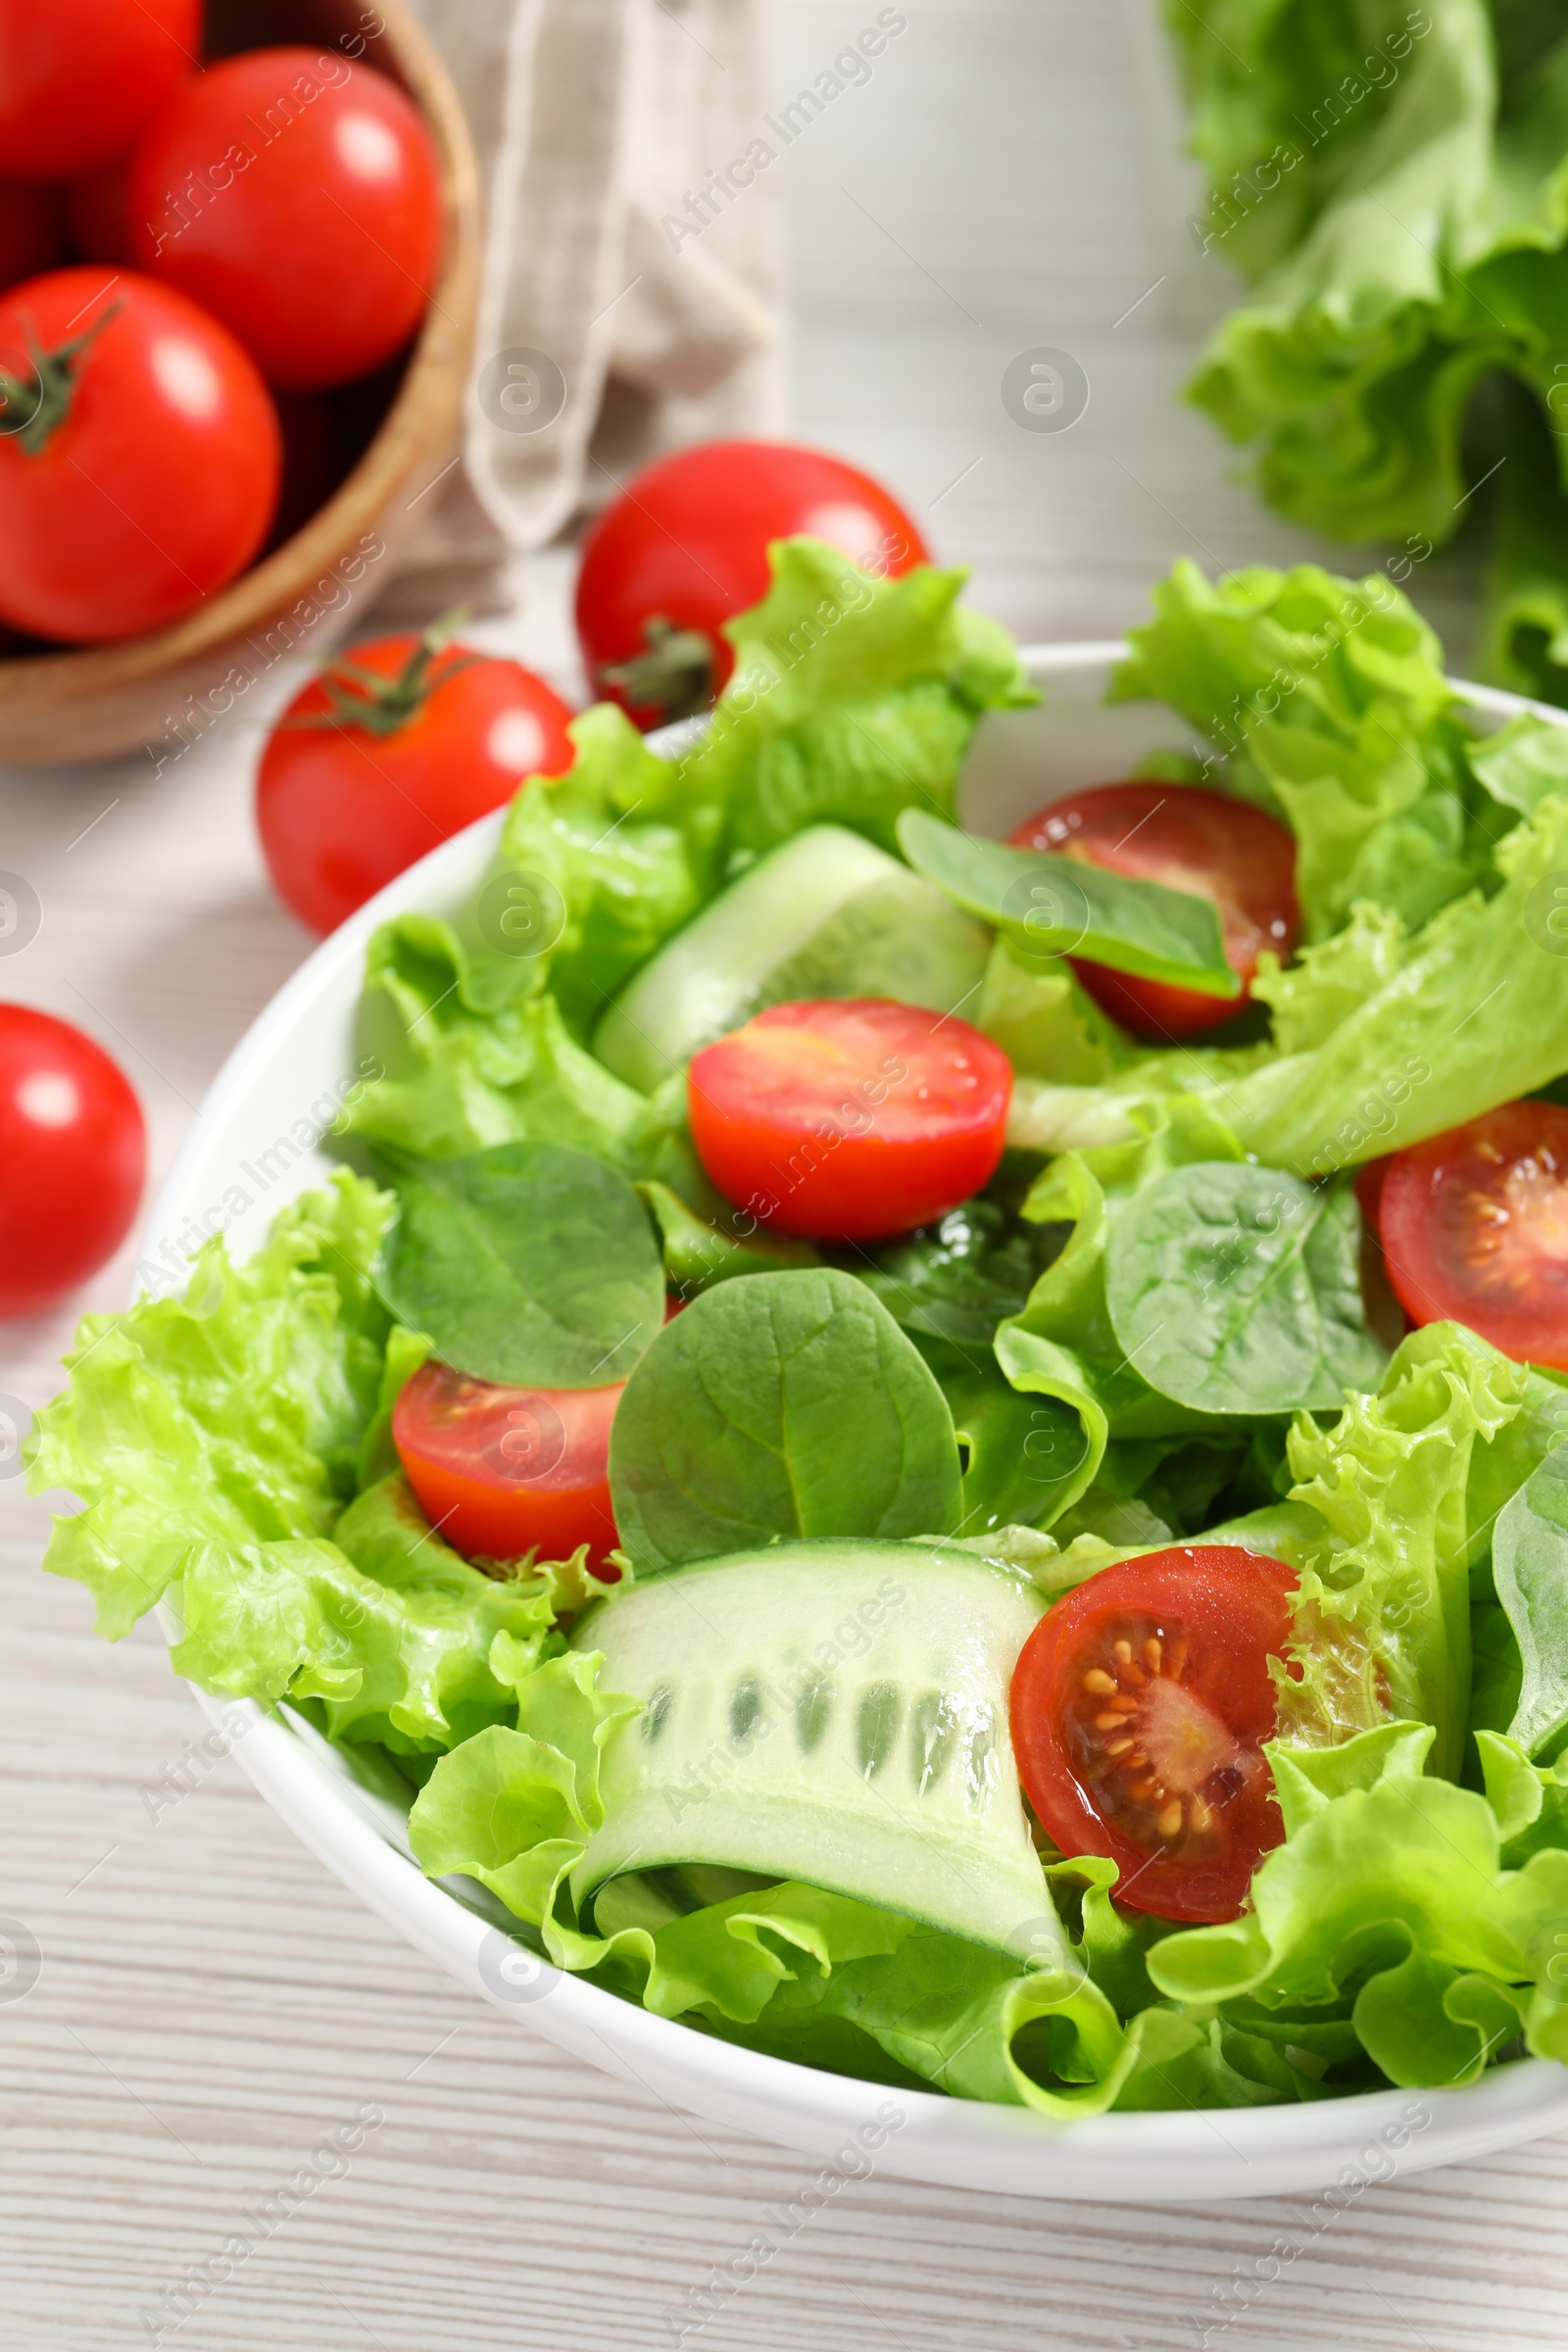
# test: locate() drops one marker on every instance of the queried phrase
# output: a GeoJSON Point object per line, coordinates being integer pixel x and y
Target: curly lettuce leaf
{"type": "Point", "coordinates": [232, 1415]}
{"type": "Point", "coordinates": [851, 698]}
{"type": "Point", "coordinates": [1382, 1607]}
{"type": "Point", "coordinates": [1391, 1889]}
{"type": "Point", "coordinates": [389, 1629]}
{"type": "Point", "coordinates": [1412, 211]}
{"type": "Point", "coordinates": [213, 1440]}
{"type": "Point", "coordinates": [1327, 697]}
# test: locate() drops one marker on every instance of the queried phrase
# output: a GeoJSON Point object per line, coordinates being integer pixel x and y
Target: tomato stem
{"type": "Point", "coordinates": [358, 696]}
{"type": "Point", "coordinates": [32, 407]}
{"type": "Point", "coordinates": [674, 676]}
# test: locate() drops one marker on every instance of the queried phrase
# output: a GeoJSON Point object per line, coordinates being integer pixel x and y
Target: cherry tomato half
{"type": "Point", "coordinates": [849, 1120]}
{"type": "Point", "coordinates": [139, 457]}
{"type": "Point", "coordinates": [1139, 1706]}
{"type": "Point", "coordinates": [392, 749]}
{"type": "Point", "coordinates": [79, 77]}
{"type": "Point", "coordinates": [1475, 1226]}
{"type": "Point", "coordinates": [31, 234]}
{"type": "Point", "coordinates": [1206, 843]}
{"type": "Point", "coordinates": [72, 1155]}
{"type": "Point", "coordinates": [500, 1471]}
{"type": "Point", "coordinates": [299, 198]}
{"type": "Point", "coordinates": [684, 547]}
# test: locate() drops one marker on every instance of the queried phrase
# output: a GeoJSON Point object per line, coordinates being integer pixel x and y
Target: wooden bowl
{"type": "Point", "coordinates": [166, 689]}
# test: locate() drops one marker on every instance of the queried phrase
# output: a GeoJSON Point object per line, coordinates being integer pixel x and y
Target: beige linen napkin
{"type": "Point", "coordinates": [619, 318]}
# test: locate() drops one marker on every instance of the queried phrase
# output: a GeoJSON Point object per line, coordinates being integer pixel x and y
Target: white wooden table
{"type": "Point", "coordinates": [211, 2005]}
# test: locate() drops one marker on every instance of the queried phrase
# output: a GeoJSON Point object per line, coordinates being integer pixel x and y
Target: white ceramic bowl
{"type": "Point", "coordinates": [292, 1066]}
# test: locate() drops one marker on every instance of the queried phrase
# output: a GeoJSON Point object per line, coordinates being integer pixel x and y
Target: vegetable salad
{"type": "Point", "coordinates": [947, 1460]}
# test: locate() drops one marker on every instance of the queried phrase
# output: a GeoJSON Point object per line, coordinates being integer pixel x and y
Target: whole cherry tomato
{"type": "Point", "coordinates": [1139, 1706]}
{"type": "Point", "coordinates": [31, 238]}
{"type": "Point", "coordinates": [139, 456]}
{"type": "Point", "coordinates": [850, 1119]}
{"type": "Point", "coordinates": [299, 198]}
{"type": "Point", "coordinates": [505, 1471]}
{"type": "Point", "coordinates": [79, 77]}
{"type": "Point", "coordinates": [684, 547]}
{"type": "Point", "coordinates": [1207, 843]}
{"type": "Point", "coordinates": [397, 745]}
{"type": "Point", "coordinates": [1474, 1225]}
{"type": "Point", "coordinates": [72, 1155]}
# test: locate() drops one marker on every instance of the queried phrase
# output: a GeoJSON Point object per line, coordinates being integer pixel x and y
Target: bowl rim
{"type": "Point", "coordinates": [443, 342]}
{"type": "Point", "coordinates": [1178, 2156]}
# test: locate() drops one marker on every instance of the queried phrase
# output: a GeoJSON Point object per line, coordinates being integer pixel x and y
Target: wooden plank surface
{"type": "Point", "coordinates": [211, 2006]}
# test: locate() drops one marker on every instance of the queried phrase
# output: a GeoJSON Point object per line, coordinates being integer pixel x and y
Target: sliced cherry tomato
{"type": "Point", "coordinates": [79, 77]}
{"type": "Point", "coordinates": [1141, 1703]}
{"type": "Point", "coordinates": [139, 456]}
{"type": "Point", "coordinates": [849, 1120]}
{"type": "Point", "coordinates": [72, 1155]}
{"type": "Point", "coordinates": [684, 547]}
{"type": "Point", "coordinates": [397, 745]}
{"type": "Point", "coordinates": [1206, 843]}
{"type": "Point", "coordinates": [299, 198]}
{"type": "Point", "coordinates": [31, 238]}
{"type": "Point", "coordinates": [1475, 1226]}
{"type": "Point", "coordinates": [502, 1471]}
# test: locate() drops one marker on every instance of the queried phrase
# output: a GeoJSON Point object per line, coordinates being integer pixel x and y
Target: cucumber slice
{"type": "Point", "coordinates": [825, 915]}
{"type": "Point", "coordinates": [833, 1712]}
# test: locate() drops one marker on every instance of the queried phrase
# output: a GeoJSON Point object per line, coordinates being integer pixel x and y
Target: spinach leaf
{"type": "Point", "coordinates": [1047, 906]}
{"type": "Point", "coordinates": [959, 1278]}
{"type": "Point", "coordinates": [1529, 1565]}
{"type": "Point", "coordinates": [1236, 1288]}
{"type": "Point", "coordinates": [787, 1406]}
{"type": "Point", "coordinates": [530, 1264]}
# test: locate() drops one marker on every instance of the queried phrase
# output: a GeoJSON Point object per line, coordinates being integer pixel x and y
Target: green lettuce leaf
{"type": "Point", "coordinates": [1530, 1571]}
{"type": "Point", "coordinates": [1328, 702]}
{"type": "Point", "coordinates": [1406, 195]}
{"type": "Point", "coordinates": [233, 1414]}
{"type": "Point", "coordinates": [1381, 1608]}
{"type": "Point", "coordinates": [851, 698]}
{"type": "Point", "coordinates": [214, 1440]}
{"type": "Point", "coordinates": [1391, 1888]}
{"type": "Point", "coordinates": [390, 1631]}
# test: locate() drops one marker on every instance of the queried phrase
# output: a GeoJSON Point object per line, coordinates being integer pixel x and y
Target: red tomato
{"type": "Point", "coordinates": [361, 777]}
{"type": "Point", "coordinates": [1139, 1706]}
{"type": "Point", "coordinates": [79, 77]}
{"type": "Point", "coordinates": [141, 468]}
{"type": "Point", "coordinates": [299, 198]}
{"type": "Point", "coordinates": [684, 547]}
{"type": "Point", "coordinates": [848, 1120]}
{"type": "Point", "coordinates": [72, 1155]}
{"type": "Point", "coordinates": [1475, 1227]}
{"type": "Point", "coordinates": [1189, 839]}
{"type": "Point", "coordinates": [98, 213]}
{"type": "Point", "coordinates": [502, 1471]}
{"type": "Point", "coordinates": [31, 238]}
